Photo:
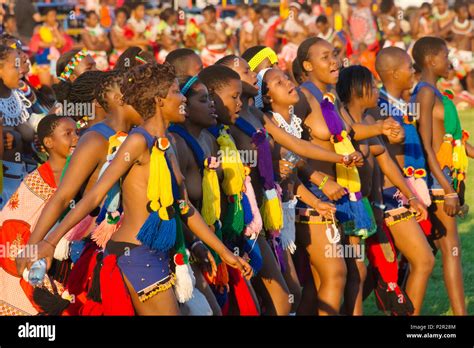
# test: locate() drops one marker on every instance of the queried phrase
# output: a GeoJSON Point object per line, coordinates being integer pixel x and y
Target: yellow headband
{"type": "Point", "coordinates": [266, 52]}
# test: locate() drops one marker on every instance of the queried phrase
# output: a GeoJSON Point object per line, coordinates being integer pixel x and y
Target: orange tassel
{"type": "Point", "coordinates": [101, 235]}
{"type": "Point", "coordinates": [222, 275]}
{"type": "Point", "coordinates": [81, 229]}
{"type": "Point", "coordinates": [445, 153]}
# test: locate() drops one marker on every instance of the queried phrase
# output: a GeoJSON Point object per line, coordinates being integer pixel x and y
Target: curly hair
{"type": "Point", "coordinates": [145, 82]}
{"type": "Point", "coordinates": [109, 80]}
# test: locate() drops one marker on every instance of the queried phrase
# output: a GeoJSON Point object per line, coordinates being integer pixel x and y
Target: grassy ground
{"type": "Point", "coordinates": [436, 300]}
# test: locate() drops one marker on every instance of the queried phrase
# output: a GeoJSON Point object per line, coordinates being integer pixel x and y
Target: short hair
{"type": "Point", "coordinates": [386, 5]}
{"type": "Point", "coordinates": [426, 46]}
{"type": "Point", "coordinates": [210, 8]}
{"type": "Point", "coordinates": [106, 83]}
{"type": "Point", "coordinates": [257, 8]}
{"type": "Point", "coordinates": [251, 52]}
{"type": "Point", "coordinates": [123, 10]}
{"type": "Point", "coordinates": [4, 52]}
{"type": "Point", "coordinates": [47, 125]}
{"type": "Point", "coordinates": [167, 13]}
{"type": "Point", "coordinates": [227, 60]}
{"type": "Point", "coordinates": [426, 5]}
{"type": "Point", "coordinates": [216, 77]}
{"type": "Point", "coordinates": [322, 19]}
{"type": "Point", "coordinates": [91, 13]}
{"type": "Point", "coordinates": [182, 80]}
{"type": "Point", "coordinates": [135, 5]}
{"type": "Point", "coordinates": [353, 81]}
{"type": "Point", "coordinates": [178, 57]}
{"type": "Point", "coordinates": [133, 56]}
{"type": "Point", "coordinates": [459, 4]}
{"type": "Point", "coordinates": [50, 9]}
{"type": "Point", "coordinates": [143, 83]}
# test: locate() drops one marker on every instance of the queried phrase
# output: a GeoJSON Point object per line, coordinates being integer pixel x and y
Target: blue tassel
{"type": "Point", "coordinates": [256, 260]}
{"type": "Point", "coordinates": [158, 234]}
{"type": "Point", "coordinates": [248, 216]}
{"type": "Point", "coordinates": [361, 216]}
{"type": "Point", "coordinates": [112, 201]}
{"type": "Point", "coordinates": [344, 212]}
{"type": "Point", "coordinates": [101, 216]}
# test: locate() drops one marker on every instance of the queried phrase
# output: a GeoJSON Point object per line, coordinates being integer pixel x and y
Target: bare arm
{"type": "Point", "coordinates": [301, 147]}
{"type": "Point", "coordinates": [470, 150]}
{"type": "Point", "coordinates": [88, 154]}
{"type": "Point", "coordinates": [130, 151]}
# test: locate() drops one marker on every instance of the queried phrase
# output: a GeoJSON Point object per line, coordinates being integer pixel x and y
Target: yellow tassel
{"type": "Point", "coordinates": [211, 195]}
{"type": "Point", "coordinates": [445, 152]}
{"type": "Point", "coordinates": [232, 166]}
{"type": "Point", "coordinates": [271, 211]}
{"type": "Point", "coordinates": [159, 190]}
{"type": "Point", "coordinates": [347, 177]}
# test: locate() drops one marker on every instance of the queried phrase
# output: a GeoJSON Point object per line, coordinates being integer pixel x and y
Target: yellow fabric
{"type": "Point", "coordinates": [234, 173]}
{"type": "Point", "coordinates": [159, 190]}
{"type": "Point", "coordinates": [272, 214]}
{"type": "Point", "coordinates": [347, 177]}
{"type": "Point", "coordinates": [211, 196]}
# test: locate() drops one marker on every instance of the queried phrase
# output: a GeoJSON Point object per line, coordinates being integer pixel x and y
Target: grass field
{"type": "Point", "coordinates": [436, 300]}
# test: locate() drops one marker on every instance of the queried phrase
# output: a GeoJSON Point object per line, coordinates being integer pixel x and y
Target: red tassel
{"type": "Point", "coordinates": [102, 233]}
{"type": "Point", "coordinates": [81, 229]}
{"type": "Point", "coordinates": [242, 293]}
{"type": "Point", "coordinates": [426, 226]}
{"type": "Point", "coordinates": [115, 297]}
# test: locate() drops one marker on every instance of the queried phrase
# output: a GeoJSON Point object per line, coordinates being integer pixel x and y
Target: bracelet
{"type": "Point", "coordinates": [323, 182]}
{"type": "Point", "coordinates": [451, 195]}
{"type": "Point", "coordinates": [47, 242]}
{"type": "Point", "coordinates": [196, 242]}
{"type": "Point", "coordinates": [411, 198]}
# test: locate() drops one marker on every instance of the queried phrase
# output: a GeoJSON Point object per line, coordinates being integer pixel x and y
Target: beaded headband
{"type": "Point", "coordinates": [187, 86]}
{"type": "Point", "coordinates": [266, 52]}
{"type": "Point", "coordinates": [140, 59]}
{"type": "Point", "coordinates": [69, 69]}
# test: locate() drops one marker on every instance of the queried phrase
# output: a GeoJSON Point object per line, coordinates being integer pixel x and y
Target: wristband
{"type": "Point", "coordinates": [451, 195]}
{"type": "Point", "coordinates": [323, 182]}
{"type": "Point", "coordinates": [411, 198]}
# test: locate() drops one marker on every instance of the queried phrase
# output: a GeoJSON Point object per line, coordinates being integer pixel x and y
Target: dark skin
{"type": "Point", "coordinates": [409, 237]}
{"type": "Point", "coordinates": [200, 115]}
{"type": "Point", "coordinates": [431, 129]}
{"type": "Point", "coordinates": [132, 163]}
{"type": "Point", "coordinates": [91, 42]}
{"type": "Point", "coordinates": [84, 167]}
{"type": "Point", "coordinates": [322, 68]}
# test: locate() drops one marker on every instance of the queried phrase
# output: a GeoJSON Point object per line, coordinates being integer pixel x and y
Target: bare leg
{"type": "Point", "coordinates": [163, 303]}
{"type": "Point", "coordinates": [412, 243]}
{"type": "Point", "coordinates": [204, 287]}
{"type": "Point", "coordinates": [292, 281]}
{"type": "Point", "coordinates": [331, 271]}
{"type": "Point", "coordinates": [270, 284]}
{"type": "Point", "coordinates": [450, 247]}
{"type": "Point", "coordinates": [356, 275]}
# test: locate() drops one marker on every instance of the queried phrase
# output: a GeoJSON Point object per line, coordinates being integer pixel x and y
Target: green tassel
{"type": "Point", "coordinates": [180, 245]}
{"type": "Point", "coordinates": [233, 223]}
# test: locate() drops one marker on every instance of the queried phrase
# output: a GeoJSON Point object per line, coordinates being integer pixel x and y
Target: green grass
{"type": "Point", "coordinates": [436, 299]}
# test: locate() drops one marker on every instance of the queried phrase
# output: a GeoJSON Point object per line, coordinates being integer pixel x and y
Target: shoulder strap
{"type": "Point", "coordinates": [422, 84]}
{"type": "Point", "coordinates": [148, 137]}
{"type": "Point", "coordinates": [215, 130]}
{"type": "Point", "coordinates": [102, 129]}
{"type": "Point", "coordinates": [313, 90]}
{"type": "Point", "coordinates": [191, 142]}
{"type": "Point", "coordinates": [245, 126]}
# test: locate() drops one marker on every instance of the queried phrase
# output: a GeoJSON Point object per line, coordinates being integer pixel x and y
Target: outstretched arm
{"type": "Point", "coordinates": [90, 151]}
{"type": "Point", "coordinates": [128, 153]}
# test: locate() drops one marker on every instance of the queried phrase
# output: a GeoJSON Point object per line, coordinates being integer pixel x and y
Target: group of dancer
{"type": "Point", "coordinates": [237, 189]}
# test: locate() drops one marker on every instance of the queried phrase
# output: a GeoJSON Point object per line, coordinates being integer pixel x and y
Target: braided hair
{"type": "Point", "coordinates": [79, 91]}
{"type": "Point", "coordinates": [133, 56]}
{"type": "Point", "coordinates": [227, 60]}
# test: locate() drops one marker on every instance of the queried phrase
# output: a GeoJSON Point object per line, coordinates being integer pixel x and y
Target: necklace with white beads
{"type": "Point", "coordinates": [14, 109]}
{"type": "Point", "coordinates": [293, 128]}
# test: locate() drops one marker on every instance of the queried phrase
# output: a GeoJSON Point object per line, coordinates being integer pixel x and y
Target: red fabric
{"type": "Point", "coordinates": [242, 293]}
{"type": "Point", "coordinates": [28, 289]}
{"type": "Point", "coordinates": [388, 270]}
{"type": "Point", "coordinates": [47, 174]}
{"type": "Point", "coordinates": [91, 308]}
{"type": "Point", "coordinates": [81, 273]}
{"type": "Point", "coordinates": [15, 234]}
{"type": "Point", "coordinates": [115, 297]}
{"type": "Point", "coordinates": [426, 226]}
